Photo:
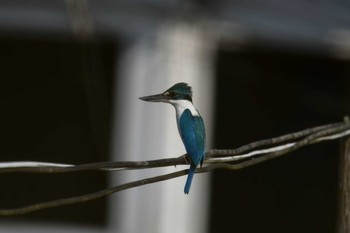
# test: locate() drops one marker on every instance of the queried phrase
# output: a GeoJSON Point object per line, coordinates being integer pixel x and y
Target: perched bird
{"type": "Point", "coordinates": [190, 124]}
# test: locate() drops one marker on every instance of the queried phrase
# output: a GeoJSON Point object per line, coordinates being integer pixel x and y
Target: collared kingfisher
{"type": "Point", "coordinates": [189, 123]}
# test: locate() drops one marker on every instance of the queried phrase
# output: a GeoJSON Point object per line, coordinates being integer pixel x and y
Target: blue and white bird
{"type": "Point", "coordinates": [190, 124]}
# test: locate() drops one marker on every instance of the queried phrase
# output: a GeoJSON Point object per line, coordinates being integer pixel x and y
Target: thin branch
{"type": "Point", "coordinates": [90, 196]}
{"type": "Point", "coordinates": [214, 161]}
{"type": "Point", "coordinates": [271, 141]}
{"type": "Point", "coordinates": [105, 166]}
{"type": "Point", "coordinates": [306, 141]}
{"type": "Point", "coordinates": [286, 147]}
{"type": "Point", "coordinates": [124, 165]}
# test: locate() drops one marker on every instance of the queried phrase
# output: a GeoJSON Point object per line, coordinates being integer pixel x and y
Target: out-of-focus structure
{"type": "Point", "coordinates": [72, 72]}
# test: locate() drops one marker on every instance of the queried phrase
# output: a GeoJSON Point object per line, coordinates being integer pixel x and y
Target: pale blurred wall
{"type": "Point", "coordinates": [148, 131]}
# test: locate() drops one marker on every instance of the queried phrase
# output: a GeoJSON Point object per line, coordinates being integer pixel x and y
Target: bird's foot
{"type": "Point", "coordinates": [186, 158]}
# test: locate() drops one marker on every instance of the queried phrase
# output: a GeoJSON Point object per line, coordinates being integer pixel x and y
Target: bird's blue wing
{"type": "Point", "coordinates": [193, 136]}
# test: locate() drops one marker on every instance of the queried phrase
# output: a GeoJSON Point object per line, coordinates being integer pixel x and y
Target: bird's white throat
{"type": "Point", "coordinates": [181, 106]}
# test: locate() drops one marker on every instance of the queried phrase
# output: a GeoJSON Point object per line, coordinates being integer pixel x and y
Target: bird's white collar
{"type": "Point", "coordinates": [182, 105]}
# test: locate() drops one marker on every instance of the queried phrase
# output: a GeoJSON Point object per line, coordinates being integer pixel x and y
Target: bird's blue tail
{"type": "Point", "coordinates": [189, 178]}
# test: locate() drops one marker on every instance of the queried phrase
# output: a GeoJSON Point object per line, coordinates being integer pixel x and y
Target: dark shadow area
{"type": "Point", "coordinates": [262, 94]}
{"type": "Point", "coordinates": [55, 100]}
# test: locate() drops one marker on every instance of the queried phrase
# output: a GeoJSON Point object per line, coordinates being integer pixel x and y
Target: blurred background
{"type": "Point", "coordinates": [71, 73]}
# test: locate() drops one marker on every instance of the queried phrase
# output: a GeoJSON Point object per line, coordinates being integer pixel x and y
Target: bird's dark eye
{"type": "Point", "coordinates": [170, 94]}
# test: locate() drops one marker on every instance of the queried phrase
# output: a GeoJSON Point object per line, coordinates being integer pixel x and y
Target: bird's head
{"type": "Point", "coordinates": [180, 91]}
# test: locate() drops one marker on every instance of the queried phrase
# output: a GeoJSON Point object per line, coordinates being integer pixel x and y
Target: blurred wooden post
{"type": "Point", "coordinates": [344, 188]}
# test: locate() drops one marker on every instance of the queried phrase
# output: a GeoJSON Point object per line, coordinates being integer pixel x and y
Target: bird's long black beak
{"type": "Point", "coordinates": [155, 98]}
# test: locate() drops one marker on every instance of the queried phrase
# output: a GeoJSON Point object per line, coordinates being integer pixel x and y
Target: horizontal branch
{"type": "Point", "coordinates": [232, 159]}
{"type": "Point", "coordinates": [104, 166]}
{"type": "Point", "coordinates": [234, 154]}
{"type": "Point", "coordinates": [271, 141]}
{"type": "Point", "coordinates": [90, 196]}
{"type": "Point", "coordinates": [324, 135]}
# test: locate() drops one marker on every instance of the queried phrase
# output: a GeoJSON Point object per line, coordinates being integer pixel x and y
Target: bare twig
{"type": "Point", "coordinates": [234, 154]}
{"type": "Point", "coordinates": [90, 196]}
{"type": "Point", "coordinates": [326, 134]}
{"type": "Point", "coordinates": [270, 141]}
{"type": "Point", "coordinates": [232, 159]}
{"type": "Point", "coordinates": [105, 166]}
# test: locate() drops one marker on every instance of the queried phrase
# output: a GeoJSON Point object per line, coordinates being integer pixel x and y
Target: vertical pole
{"type": "Point", "coordinates": [344, 188]}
